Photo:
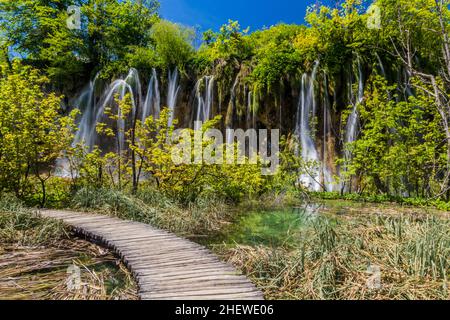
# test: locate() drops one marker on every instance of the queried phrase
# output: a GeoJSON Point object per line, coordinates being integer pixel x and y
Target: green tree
{"type": "Point", "coordinates": [173, 44]}
{"type": "Point", "coordinates": [33, 135]}
{"type": "Point", "coordinates": [399, 150]}
{"type": "Point", "coordinates": [110, 30]}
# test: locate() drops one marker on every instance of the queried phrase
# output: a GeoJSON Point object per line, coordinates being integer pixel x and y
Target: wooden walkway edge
{"type": "Point", "coordinates": [165, 266]}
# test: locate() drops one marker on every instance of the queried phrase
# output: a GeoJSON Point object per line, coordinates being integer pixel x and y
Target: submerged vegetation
{"type": "Point", "coordinates": [88, 120]}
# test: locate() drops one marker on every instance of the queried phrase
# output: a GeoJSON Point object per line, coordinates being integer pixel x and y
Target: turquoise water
{"type": "Point", "coordinates": [283, 227]}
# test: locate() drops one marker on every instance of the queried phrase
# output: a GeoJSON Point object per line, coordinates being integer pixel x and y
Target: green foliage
{"type": "Point", "coordinates": [156, 146]}
{"type": "Point", "coordinates": [276, 54]}
{"type": "Point", "coordinates": [152, 206]}
{"type": "Point", "coordinates": [113, 202]}
{"type": "Point", "coordinates": [384, 198]}
{"type": "Point", "coordinates": [110, 30]}
{"type": "Point", "coordinates": [173, 45]}
{"type": "Point", "coordinates": [335, 34]}
{"type": "Point", "coordinates": [231, 43]}
{"type": "Point", "coordinates": [398, 151]}
{"type": "Point", "coordinates": [291, 167]}
{"type": "Point", "coordinates": [33, 134]}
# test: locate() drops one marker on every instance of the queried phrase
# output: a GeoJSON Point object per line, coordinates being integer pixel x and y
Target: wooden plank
{"type": "Point", "coordinates": [156, 247]}
{"type": "Point", "coordinates": [219, 285]}
{"type": "Point", "coordinates": [171, 263]}
{"type": "Point", "coordinates": [190, 276]}
{"type": "Point", "coordinates": [179, 277]}
{"type": "Point", "coordinates": [203, 270]}
{"type": "Point", "coordinates": [159, 258]}
{"type": "Point", "coordinates": [203, 292]}
{"type": "Point", "coordinates": [240, 296]}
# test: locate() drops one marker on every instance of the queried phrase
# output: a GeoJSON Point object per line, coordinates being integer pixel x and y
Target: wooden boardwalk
{"type": "Point", "coordinates": [166, 267]}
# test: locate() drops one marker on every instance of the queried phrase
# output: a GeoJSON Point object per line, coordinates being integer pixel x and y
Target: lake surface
{"type": "Point", "coordinates": [280, 227]}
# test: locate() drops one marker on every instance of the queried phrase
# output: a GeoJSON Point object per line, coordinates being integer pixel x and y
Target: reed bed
{"type": "Point", "coordinates": [36, 256]}
{"type": "Point", "coordinates": [334, 260]}
{"type": "Point", "coordinates": [43, 273]}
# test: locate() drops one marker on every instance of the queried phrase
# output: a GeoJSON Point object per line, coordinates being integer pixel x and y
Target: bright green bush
{"type": "Point", "coordinates": [33, 134]}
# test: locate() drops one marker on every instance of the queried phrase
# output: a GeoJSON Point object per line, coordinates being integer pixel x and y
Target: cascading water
{"type": "Point", "coordinates": [250, 112]}
{"type": "Point", "coordinates": [351, 132]}
{"type": "Point", "coordinates": [93, 111]}
{"type": "Point", "coordinates": [353, 119]}
{"type": "Point", "coordinates": [229, 122]}
{"type": "Point", "coordinates": [118, 87]}
{"type": "Point", "coordinates": [326, 172]}
{"type": "Point", "coordinates": [381, 65]}
{"type": "Point", "coordinates": [152, 103]}
{"type": "Point", "coordinates": [204, 96]}
{"type": "Point", "coordinates": [305, 113]}
{"type": "Point", "coordinates": [172, 94]}
{"type": "Point", "coordinates": [135, 83]}
{"type": "Point", "coordinates": [87, 104]}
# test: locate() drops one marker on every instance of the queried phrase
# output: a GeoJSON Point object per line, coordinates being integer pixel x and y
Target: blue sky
{"type": "Point", "coordinates": [211, 14]}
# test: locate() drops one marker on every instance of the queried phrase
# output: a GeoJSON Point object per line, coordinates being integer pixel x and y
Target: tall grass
{"type": "Point", "coordinates": [21, 227]}
{"type": "Point", "coordinates": [153, 207]}
{"type": "Point", "coordinates": [332, 260]}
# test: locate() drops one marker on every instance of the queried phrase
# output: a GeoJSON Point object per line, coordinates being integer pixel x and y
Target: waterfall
{"type": "Point", "coordinates": [249, 110]}
{"type": "Point", "coordinates": [280, 111]}
{"type": "Point", "coordinates": [152, 103]}
{"type": "Point", "coordinates": [381, 65]}
{"type": "Point", "coordinates": [93, 108]}
{"type": "Point", "coordinates": [353, 119]}
{"type": "Point", "coordinates": [229, 123]}
{"type": "Point", "coordinates": [351, 132]}
{"type": "Point", "coordinates": [204, 95]}
{"type": "Point", "coordinates": [93, 111]}
{"type": "Point", "coordinates": [254, 111]}
{"type": "Point", "coordinates": [121, 87]}
{"type": "Point", "coordinates": [135, 83]}
{"type": "Point", "coordinates": [326, 172]}
{"type": "Point", "coordinates": [87, 104]}
{"type": "Point", "coordinates": [305, 113]}
{"type": "Point", "coordinates": [172, 94]}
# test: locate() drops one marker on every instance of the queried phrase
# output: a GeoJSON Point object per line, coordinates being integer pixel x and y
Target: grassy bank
{"type": "Point", "coordinates": [35, 255]}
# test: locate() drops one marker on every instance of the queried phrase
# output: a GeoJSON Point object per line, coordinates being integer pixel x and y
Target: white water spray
{"type": "Point", "coordinates": [152, 103]}
{"type": "Point", "coordinates": [172, 94]}
{"type": "Point", "coordinates": [353, 119]}
{"type": "Point", "coordinates": [305, 113]}
{"type": "Point", "coordinates": [204, 95]}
